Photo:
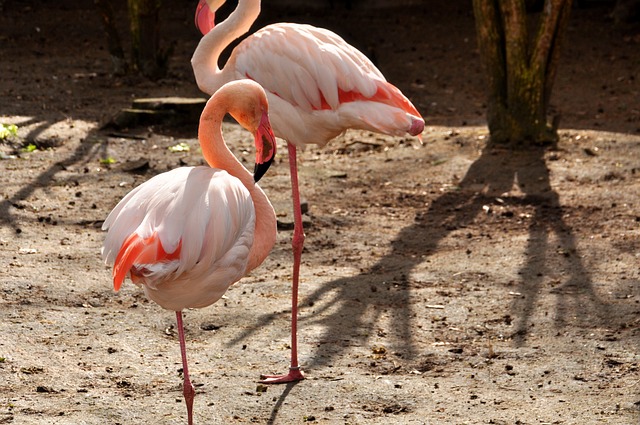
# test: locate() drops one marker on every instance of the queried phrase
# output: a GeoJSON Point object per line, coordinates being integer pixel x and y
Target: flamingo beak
{"type": "Point", "coordinates": [204, 17]}
{"type": "Point", "coordinates": [265, 142]}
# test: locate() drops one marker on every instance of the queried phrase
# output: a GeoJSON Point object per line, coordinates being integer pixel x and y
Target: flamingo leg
{"type": "Point", "coordinates": [187, 388]}
{"type": "Point", "coordinates": [295, 374]}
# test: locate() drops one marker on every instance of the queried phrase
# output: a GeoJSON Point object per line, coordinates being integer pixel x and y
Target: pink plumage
{"type": "Point", "coordinates": [318, 85]}
{"type": "Point", "coordinates": [204, 214]}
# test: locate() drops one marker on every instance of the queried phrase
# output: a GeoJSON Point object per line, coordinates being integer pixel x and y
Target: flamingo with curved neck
{"type": "Point", "coordinates": [318, 86]}
{"type": "Point", "coordinates": [188, 234]}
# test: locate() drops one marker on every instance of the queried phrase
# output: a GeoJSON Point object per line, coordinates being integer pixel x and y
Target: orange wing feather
{"type": "Point", "coordinates": [138, 250]}
{"type": "Point", "coordinates": [386, 93]}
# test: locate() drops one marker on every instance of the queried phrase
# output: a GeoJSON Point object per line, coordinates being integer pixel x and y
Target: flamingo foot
{"type": "Point", "coordinates": [294, 375]}
{"type": "Point", "coordinates": [189, 394]}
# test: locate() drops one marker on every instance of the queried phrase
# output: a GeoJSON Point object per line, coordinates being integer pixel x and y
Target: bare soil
{"type": "Point", "coordinates": [442, 283]}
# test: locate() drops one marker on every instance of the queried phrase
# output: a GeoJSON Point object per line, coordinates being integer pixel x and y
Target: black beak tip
{"type": "Point", "coordinates": [260, 170]}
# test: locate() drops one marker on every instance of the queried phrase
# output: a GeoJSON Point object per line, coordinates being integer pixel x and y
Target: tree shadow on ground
{"type": "Point", "coordinates": [85, 152]}
{"type": "Point", "coordinates": [350, 300]}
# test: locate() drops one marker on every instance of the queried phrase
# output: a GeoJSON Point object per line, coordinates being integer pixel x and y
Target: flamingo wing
{"type": "Point", "coordinates": [306, 66]}
{"type": "Point", "coordinates": [319, 85]}
{"type": "Point", "coordinates": [185, 223]}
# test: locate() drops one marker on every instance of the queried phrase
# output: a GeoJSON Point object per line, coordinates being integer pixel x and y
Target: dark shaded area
{"type": "Point", "coordinates": [65, 47]}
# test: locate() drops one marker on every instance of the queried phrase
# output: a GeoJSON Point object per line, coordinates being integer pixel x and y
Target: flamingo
{"type": "Point", "coordinates": [188, 234]}
{"type": "Point", "coordinates": [318, 86]}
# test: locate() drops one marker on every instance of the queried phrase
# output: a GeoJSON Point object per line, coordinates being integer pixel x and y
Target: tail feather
{"type": "Point", "coordinates": [139, 251]}
{"type": "Point", "coordinates": [386, 93]}
{"type": "Point", "coordinates": [389, 94]}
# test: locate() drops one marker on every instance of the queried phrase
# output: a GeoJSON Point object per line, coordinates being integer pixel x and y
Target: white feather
{"type": "Point", "coordinates": [206, 210]}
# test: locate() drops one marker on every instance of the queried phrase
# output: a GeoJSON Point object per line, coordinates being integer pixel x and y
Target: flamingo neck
{"type": "Point", "coordinates": [204, 61]}
{"type": "Point", "coordinates": [214, 148]}
{"type": "Point", "coordinates": [218, 155]}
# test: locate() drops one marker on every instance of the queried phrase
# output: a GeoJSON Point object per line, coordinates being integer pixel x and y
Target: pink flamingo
{"type": "Point", "coordinates": [188, 234]}
{"type": "Point", "coordinates": [318, 86]}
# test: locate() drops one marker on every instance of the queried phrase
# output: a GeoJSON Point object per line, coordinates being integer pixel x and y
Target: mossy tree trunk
{"type": "Point", "coordinates": [147, 58]}
{"type": "Point", "coordinates": [520, 68]}
{"type": "Point", "coordinates": [118, 60]}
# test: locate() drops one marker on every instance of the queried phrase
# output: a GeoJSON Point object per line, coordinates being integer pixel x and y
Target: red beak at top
{"type": "Point", "coordinates": [204, 17]}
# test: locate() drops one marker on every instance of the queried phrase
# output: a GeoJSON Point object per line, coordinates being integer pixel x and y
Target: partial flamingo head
{"type": "Point", "coordinates": [417, 127]}
{"type": "Point", "coordinates": [247, 103]}
{"type": "Point", "coordinates": [265, 147]}
{"type": "Point", "coordinates": [205, 15]}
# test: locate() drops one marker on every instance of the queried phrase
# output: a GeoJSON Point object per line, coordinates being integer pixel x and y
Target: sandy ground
{"type": "Point", "coordinates": [442, 283]}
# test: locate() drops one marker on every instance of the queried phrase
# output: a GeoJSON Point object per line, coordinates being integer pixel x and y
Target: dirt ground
{"type": "Point", "coordinates": [442, 283]}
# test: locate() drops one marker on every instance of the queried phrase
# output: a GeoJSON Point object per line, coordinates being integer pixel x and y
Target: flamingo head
{"type": "Point", "coordinates": [248, 105]}
{"type": "Point", "coordinates": [205, 15]}
{"type": "Point", "coordinates": [265, 142]}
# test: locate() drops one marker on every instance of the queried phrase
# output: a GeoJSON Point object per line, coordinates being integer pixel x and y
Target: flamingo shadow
{"type": "Point", "coordinates": [281, 399]}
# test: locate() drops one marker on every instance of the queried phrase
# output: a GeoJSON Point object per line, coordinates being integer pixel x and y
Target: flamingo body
{"type": "Point", "coordinates": [317, 84]}
{"type": "Point", "coordinates": [313, 76]}
{"type": "Point", "coordinates": [188, 234]}
{"type": "Point", "coordinates": [205, 214]}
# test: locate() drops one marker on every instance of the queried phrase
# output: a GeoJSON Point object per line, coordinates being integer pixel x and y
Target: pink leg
{"type": "Point", "coordinates": [295, 374]}
{"type": "Point", "coordinates": [187, 388]}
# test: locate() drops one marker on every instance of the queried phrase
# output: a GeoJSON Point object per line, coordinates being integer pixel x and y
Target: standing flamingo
{"type": "Point", "coordinates": [318, 86]}
{"type": "Point", "coordinates": [188, 234]}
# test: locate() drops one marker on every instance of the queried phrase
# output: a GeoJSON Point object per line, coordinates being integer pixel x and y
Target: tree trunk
{"type": "Point", "coordinates": [520, 69]}
{"type": "Point", "coordinates": [119, 62]}
{"type": "Point", "coordinates": [148, 59]}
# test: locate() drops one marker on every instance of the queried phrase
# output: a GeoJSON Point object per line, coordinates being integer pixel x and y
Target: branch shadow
{"type": "Point", "coordinates": [86, 151]}
{"type": "Point", "coordinates": [350, 300]}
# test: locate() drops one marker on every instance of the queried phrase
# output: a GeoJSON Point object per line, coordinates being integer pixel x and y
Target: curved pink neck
{"type": "Point", "coordinates": [218, 155]}
{"type": "Point", "coordinates": [204, 61]}
{"type": "Point", "coordinates": [214, 148]}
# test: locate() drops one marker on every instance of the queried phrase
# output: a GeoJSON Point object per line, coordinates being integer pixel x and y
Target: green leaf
{"type": "Point", "coordinates": [180, 147]}
{"type": "Point", "coordinates": [107, 161]}
{"type": "Point", "coordinates": [8, 130]}
{"type": "Point", "coordinates": [30, 148]}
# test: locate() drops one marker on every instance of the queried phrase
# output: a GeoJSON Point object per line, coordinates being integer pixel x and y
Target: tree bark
{"type": "Point", "coordinates": [148, 58]}
{"type": "Point", "coordinates": [520, 69]}
{"type": "Point", "coordinates": [119, 62]}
